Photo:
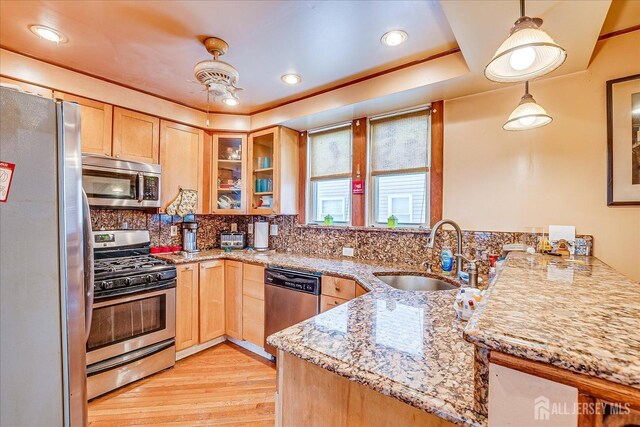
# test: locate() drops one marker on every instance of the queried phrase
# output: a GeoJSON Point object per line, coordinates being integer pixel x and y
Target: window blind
{"type": "Point", "coordinates": [330, 153]}
{"type": "Point", "coordinates": [399, 144]}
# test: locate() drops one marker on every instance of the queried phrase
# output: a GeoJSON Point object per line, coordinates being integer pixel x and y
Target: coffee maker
{"type": "Point", "coordinates": [189, 234]}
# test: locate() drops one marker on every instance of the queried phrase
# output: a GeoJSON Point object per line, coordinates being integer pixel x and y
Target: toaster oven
{"type": "Point", "coordinates": [232, 240]}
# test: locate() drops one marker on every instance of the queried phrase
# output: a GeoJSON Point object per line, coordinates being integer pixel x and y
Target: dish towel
{"type": "Point", "coordinates": [185, 203]}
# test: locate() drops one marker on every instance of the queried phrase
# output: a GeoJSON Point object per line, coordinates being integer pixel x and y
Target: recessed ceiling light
{"type": "Point", "coordinates": [394, 38]}
{"type": "Point", "coordinates": [230, 101]}
{"type": "Point", "coordinates": [48, 34]}
{"type": "Point", "coordinates": [291, 79]}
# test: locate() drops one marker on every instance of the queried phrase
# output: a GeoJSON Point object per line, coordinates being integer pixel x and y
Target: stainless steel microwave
{"type": "Point", "coordinates": [111, 182]}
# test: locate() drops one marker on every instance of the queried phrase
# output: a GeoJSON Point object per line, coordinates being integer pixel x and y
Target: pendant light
{"type": "Point", "coordinates": [528, 114]}
{"type": "Point", "coordinates": [527, 53]}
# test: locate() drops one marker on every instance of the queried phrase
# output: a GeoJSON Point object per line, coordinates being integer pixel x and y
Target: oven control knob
{"type": "Point", "coordinates": [107, 285]}
{"type": "Point", "coordinates": [148, 278]}
{"type": "Point", "coordinates": [158, 276]}
{"type": "Point", "coordinates": [127, 281]}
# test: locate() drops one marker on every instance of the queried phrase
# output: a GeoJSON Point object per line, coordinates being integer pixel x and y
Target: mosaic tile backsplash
{"type": "Point", "coordinates": [370, 244]}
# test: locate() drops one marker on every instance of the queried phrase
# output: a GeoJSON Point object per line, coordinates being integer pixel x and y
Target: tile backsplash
{"type": "Point", "coordinates": [406, 246]}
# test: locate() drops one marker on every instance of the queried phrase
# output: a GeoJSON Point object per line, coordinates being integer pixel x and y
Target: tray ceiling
{"type": "Point", "coordinates": [153, 45]}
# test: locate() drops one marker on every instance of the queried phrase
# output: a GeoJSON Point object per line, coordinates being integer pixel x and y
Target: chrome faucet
{"type": "Point", "coordinates": [471, 268]}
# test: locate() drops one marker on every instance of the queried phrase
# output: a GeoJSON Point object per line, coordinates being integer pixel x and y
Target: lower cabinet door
{"type": "Point", "coordinates": [253, 320]}
{"type": "Point", "coordinates": [212, 300]}
{"type": "Point", "coordinates": [186, 306]}
{"type": "Point", "coordinates": [233, 298]}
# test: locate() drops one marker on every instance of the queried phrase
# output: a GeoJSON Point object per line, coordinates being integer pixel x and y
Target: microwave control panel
{"type": "Point", "coordinates": [151, 188]}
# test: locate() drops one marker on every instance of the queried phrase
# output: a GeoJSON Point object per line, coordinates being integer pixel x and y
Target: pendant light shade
{"type": "Point", "coordinates": [527, 115]}
{"type": "Point", "coordinates": [529, 52]}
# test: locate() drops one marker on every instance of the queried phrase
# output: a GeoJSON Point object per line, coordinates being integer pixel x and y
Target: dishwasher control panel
{"type": "Point", "coordinates": [294, 280]}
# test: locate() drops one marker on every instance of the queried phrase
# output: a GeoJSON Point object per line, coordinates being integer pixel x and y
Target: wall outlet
{"type": "Point", "coordinates": [173, 231]}
{"type": "Point", "coordinates": [273, 230]}
{"type": "Point", "coordinates": [250, 229]}
{"type": "Point", "coordinates": [234, 226]}
{"type": "Point", "coordinates": [348, 251]}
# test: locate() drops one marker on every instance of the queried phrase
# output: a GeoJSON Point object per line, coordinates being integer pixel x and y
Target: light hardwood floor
{"type": "Point", "coordinates": [223, 385]}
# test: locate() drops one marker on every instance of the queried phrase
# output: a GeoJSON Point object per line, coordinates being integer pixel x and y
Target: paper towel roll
{"type": "Point", "coordinates": [261, 236]}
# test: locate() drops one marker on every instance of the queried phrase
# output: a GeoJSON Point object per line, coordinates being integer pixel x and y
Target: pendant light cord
{"type": "Point", "coordinates": [522, 8]}
{"type": "Point", "coordinates": [526, 87]}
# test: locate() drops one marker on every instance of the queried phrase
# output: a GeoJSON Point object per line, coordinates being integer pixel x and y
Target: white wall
{"type": "Point", "coordinates": [507, 181]}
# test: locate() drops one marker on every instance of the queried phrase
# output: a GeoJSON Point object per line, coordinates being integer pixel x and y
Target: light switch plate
{"type": "Point", "coordinates": [250, 229]}
{"type": "Point", "coordinates": [273, 230]}
{"type": "Point", "coordinates": [347, 251]}
{"type": "Point", "coordinates": [234, 226]}
{"type": "Point", "coordinates": [174, 231]}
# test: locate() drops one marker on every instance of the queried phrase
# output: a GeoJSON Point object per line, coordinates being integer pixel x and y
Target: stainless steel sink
{"type": "Point", "coordinates": [416, 283]}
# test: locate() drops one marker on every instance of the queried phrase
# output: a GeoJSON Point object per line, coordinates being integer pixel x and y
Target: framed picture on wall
{"type": "Point", "coordinates": [623, 141]}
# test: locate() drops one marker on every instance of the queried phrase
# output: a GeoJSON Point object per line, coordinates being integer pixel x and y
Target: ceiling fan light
{"type": "Point", "coordinates": [527, 115]}
{"type": "Point", "coordinates": [527, 53]}
{"type": "Point", "coordinates": [231, 101]}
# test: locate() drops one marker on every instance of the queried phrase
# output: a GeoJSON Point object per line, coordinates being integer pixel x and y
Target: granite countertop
{"type": "Point", "coordinates": [580, 317]}
{"type": "Point", "coordinates": [408, 345]}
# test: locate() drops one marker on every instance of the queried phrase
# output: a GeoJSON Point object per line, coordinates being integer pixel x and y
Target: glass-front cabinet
{"type": "Point", "coordinates": [263, 146]}
{"type": "Point", "coordinates": [229, 173]}
{"type": "Point", "coordinates": [273, 172]}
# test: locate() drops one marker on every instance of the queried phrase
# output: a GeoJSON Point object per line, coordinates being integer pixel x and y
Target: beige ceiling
{"type": "Point", "coordinates": [153, 45]}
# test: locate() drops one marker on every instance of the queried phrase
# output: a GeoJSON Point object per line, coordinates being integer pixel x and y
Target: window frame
{"type": "Point", "coordinates": [311, 204]}
{"type": "Point", "coordinates": [371, 179]}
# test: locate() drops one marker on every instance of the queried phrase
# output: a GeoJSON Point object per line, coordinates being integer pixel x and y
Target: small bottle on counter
{"type": "Point", "coordinates": [446, 260]}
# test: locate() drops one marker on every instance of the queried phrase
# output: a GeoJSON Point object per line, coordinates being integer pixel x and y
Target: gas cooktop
{"type": "Point", "coordinates": [126, 266]}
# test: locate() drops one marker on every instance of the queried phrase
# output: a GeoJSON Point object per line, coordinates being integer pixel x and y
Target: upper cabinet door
{"type": "Point", "coordinates": [181, 157]}
{"type": "Point", "coordinates": [228, 174]}
{"type": "Point", "coordinates": [96, 118]}
{"type": "Point", "coordinates": [135, 136]}
{"type": "Point", "coordinates": [273, 172]}
{"type": "Point", "coordinates": [27, 87]}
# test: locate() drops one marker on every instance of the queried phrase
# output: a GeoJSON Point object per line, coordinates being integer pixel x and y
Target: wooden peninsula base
{"type": "Point", "coordinates": [311, 396]}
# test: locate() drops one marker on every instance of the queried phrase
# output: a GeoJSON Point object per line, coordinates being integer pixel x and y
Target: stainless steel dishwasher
{"type": "Point", "coordinates": [289, 298]}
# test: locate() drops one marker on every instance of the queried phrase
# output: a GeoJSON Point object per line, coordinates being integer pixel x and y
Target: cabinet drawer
{"type": "Point", "coordinates": [328, 302]}
{"type": "Point", "coordinates": [338, 287]}
{"type": "Point", "coordinates": [253, 272]}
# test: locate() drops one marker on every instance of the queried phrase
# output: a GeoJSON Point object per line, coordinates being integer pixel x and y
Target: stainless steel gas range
{"type": "Point", "coordinates": [132, 332]}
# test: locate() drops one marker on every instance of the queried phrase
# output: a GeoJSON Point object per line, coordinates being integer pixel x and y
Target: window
{"type": "Point", "coordinates": [330, 174]}
{"type": "Point", "coordinates": [399, 158]}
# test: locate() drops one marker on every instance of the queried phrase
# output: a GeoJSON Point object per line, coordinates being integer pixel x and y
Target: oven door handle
{"type": "Point", "coordinates": [140, 187]}
{"type": "Point", "coordinates": [89, 273]}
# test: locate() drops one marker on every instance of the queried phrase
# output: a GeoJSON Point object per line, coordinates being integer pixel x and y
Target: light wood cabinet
{"type": "Point", "coordinates": [135, 136]}
{"type": "Point", "coordinates": [329, 302]}
{"type": "Point", "coordinates": [96, 124]}
{"type": "Point", "coordinates": [337, 290]}
{"type": "Point", "coordinates": [228, 173]}
{"type": "Point", "coordinates": [181, 157]}
{"type": "Point", "coordinates": [187, 309]}
{"type": "Point", "coordinates": [212, 300]}
{"type": "Point", "coordinates": [233, 298]}
{"type": "Point", "coordinates": [253, 304]}
{"type": "Point", "coordinates": [273, 171]}
{"type": "Point", "coordinates": [28, 87]}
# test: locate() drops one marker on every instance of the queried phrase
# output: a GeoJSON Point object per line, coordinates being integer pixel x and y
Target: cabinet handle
{"type": "Point", "coordinates": [188, 268]}
{"type": "Point", "coordinates": [117, 156]}
{"type": "Point", "coordinates": [337, 288]}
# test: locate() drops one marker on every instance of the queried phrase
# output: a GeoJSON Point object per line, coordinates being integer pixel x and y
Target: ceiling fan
{"type": "Point", "coordinates": [219, 78]}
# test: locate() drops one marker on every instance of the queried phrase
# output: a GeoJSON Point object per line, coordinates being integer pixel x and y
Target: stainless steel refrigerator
{"type": "Point", "coordinates": [45, 277]}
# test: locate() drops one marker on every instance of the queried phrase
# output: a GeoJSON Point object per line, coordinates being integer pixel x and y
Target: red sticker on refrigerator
{"type": "Point", "coordinates": [6, 174]}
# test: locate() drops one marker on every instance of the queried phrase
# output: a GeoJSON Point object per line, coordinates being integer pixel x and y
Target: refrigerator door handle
{"type": "Point", "coordinates": [140, 187]}
{"type": "Point", "coordinates": [88, 265]}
